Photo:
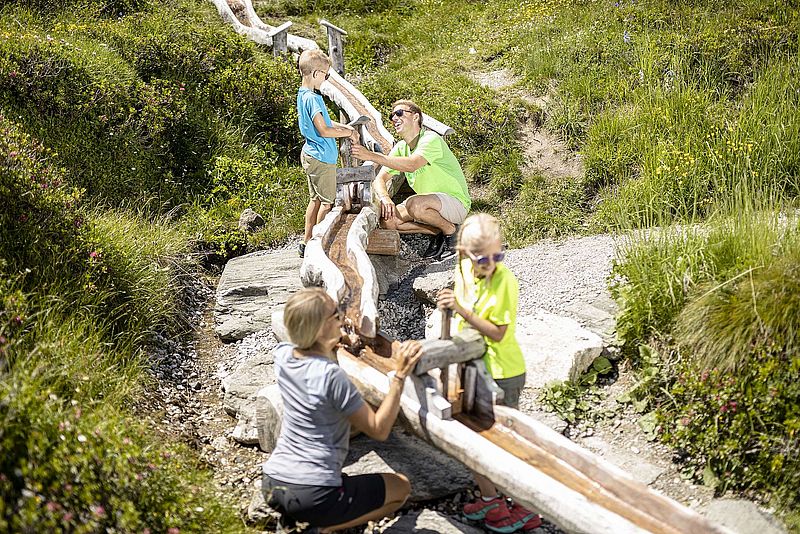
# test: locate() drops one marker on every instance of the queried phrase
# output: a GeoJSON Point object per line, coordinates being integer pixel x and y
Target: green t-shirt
{"type": "Point", "coordinates": [495, 300]}
{"type": "Point", "coordinates": [442, 173]}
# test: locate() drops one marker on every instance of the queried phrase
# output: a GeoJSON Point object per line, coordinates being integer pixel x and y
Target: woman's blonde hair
{"type": "Point", "coordinates": [477, 230]}
{"type": "Point", "coordinates": [305, 313]}
{"type": "Point", "coordinates": [410, 104]}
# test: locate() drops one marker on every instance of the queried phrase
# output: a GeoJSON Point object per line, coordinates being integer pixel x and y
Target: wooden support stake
{"type": "Point", "coordinates": [279, 37]}
{"type": "Point", "coordinates": [335, 46]}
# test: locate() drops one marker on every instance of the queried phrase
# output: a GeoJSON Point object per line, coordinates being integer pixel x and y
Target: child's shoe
{"type": "Point", "coordinates": [532, 519]}
{"type": "Point", "coordinates": [477, 509]}
{"type": "Point", "coordinates": [502, 520]}
{"type": "Point", "coordinates": [301, 249]}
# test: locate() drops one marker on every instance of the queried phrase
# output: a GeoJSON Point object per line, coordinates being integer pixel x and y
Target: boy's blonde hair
{"type": "Point", "coordinates": [305, 313]}
{"type": "Point", "coordinates": [311, 60]}
{"type": "Point", "coordinates": [410, 104]}
{"type": "Point", "coordinates": [477, 230]}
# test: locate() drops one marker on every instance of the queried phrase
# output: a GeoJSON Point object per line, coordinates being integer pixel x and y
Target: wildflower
{"type": "Point", "coordinates": [626, 37]}
{"type": "Point", "coordinates": [51, 506]}
{"type": "Point", "coordinates": [173, 530]}
{"type": "Point", "coordinates": [68, 517]}
{"type": "Point", "coordinates": [98, 510]}
{"type": "Point", "coordinates": [23, 218]}
{"type": "Point", "coordinates": [94, 255]}
{"type": "Point", "coordinates": [723, 408]}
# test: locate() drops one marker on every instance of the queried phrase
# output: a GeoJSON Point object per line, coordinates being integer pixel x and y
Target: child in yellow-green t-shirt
{"type": "Point", "coordinates": [485, 297]}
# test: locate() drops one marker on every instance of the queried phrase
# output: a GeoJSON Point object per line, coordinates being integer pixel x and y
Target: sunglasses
{"type": "Point", "coordinates": [484, 260]}
{"type": "Point", "coordinates": [327, 74]}
{"type": "Point", "coordinates": [399, 113]}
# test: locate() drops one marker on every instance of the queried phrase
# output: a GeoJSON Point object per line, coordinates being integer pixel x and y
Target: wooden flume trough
{"type": "Point", "coordinates": [537, 467]}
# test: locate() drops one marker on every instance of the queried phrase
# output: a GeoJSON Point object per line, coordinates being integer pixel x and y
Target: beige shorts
{"type": "Point", "coordinates": [321, 178]}
{"type": "Point", "coordinates": [452, 208]}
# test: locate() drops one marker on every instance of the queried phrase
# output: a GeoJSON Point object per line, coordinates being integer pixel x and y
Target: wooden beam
{"type": "Point", "coordinates": [465, 346]}
{"type": "Point", "coordinates": [317, 269]}
{"type": "Point", "coordinates": [280, 38]}
{"type": "Point", "coordinates": [293, 42]}
{"type": "Point", "coordinates": [335, 45]}
{"type": "Point", "coordinates": [384, 242]}
{"type": "Point", "coordinates": [364, 223]}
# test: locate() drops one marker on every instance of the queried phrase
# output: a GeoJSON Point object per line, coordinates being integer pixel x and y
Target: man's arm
{"type": "Point", "coordinates": [380, 185]}
{"type": "Point", "coordinates": [399, 163]}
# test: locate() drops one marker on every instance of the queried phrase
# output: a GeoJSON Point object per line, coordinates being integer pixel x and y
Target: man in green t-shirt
{"type": "Point", "coordinates": [441, 201]}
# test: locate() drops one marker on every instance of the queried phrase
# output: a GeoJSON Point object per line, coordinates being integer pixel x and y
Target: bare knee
{"type": "Point", "coordinates": [398, 488]}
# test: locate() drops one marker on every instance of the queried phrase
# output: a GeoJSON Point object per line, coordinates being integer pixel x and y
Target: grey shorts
{"type": "Point", "coordinates": [512, 387]}
{"type": "Point", "coordinates": [452, 208]}
{"type": "Point", "coordinates": [321, 178]}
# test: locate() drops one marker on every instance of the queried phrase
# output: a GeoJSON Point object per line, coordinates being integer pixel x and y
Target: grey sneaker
{"type": "Point", "coordinates": [301, 249]}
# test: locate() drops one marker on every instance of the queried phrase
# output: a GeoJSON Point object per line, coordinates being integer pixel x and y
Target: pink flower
{"type": "Point", "coordinates": [51, 506]}
{"type": "Point", "coordinates": [23, 218]}
{"type": "Point", "coordinates": [94, 254]}
{"type": "Point", "coordinates": [98, 510]}
{"type": "Point", "coordinates": [723, 408]}
{"type": "Point", "coordinates": [68, 517]}
{"type": "Point", "coordinates": [13, 154]}
{"type": "Point", "coordinates": [13, 74]}
{"type": "Point", "coordinates": [173, 530]}
{"type": "Point", "coordinates": [3, 340]}
{"type": "Point", "coordinates": [733, 405]}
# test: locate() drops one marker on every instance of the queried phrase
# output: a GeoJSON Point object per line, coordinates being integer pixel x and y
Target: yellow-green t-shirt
{"type": "Point", "coordinates": [494, 299]}
{"type": "Point", "coordinates": [442, 173]}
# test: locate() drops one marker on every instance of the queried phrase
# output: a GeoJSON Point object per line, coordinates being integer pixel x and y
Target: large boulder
{"type": "Point", "coordinates": [250, 287]}
{"type": "Point", "coordinates": [250, 221]}
{"type": "Point", "coordinates": [435, 277]}
{"type": "Point", "coordinates": [240, 391]}
{"type": "Point", "coordinates": [430, 521]}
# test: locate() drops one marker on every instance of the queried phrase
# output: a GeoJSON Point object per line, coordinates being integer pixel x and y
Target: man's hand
{"type": "Point", "coordinates": [388, 210]}
{"type": "Point", "coordinates": [362, 153]}
{"type": "Point", "coordinates": [408, 354]}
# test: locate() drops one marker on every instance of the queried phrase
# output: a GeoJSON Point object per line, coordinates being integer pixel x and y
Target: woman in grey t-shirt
{"type": "Point", "coordinates": [303, 476]}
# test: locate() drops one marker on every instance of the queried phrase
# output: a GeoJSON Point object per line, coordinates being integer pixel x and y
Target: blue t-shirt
{"type": "Point", "coordinates": [321, 148]}
{"type": "Point", "coordinates": [318, 399]}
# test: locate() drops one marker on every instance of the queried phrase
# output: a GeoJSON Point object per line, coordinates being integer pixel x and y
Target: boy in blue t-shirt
{"type": "Point", "coordinates": [319, 154]}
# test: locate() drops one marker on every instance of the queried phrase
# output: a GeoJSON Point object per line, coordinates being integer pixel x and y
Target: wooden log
{"type": "Point", "coordinates": [364, 173]}
{"type": "Point", "coordinates": [464, 346]}
{"type": "Point", "coordinates": [566, 507]}
{"type": "Point", "coordinates": [438, 127]}
{"type": "Point", "coordinates": [279, 38]}
{"type": "Point", "coordinates": [363, 224]}
{"type": "Point", "coordinates": [317, 269]}
{"type": "Point", "coordinates": [293, 42]}
{"type": "Point", "coordinates": [335, 45]}
{"type": "Point", "coordinates": [384, 242]}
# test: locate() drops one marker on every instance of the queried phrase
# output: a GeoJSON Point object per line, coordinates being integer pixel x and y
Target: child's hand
{"type": "Point", "coordinates": [446, 298]}
{"type": "Point", "coordinates": [354, 137]}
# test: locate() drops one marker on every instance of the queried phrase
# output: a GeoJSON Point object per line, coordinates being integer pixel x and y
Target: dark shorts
{"type": "Point", "coordinates": [323, 506]}
{"type": "Point", "coordinates": [512, 387]}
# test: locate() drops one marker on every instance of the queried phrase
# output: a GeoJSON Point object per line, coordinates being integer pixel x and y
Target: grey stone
{"type": "Point", "coordinates": [259, 514]}
{"type": "Point", "coordinates": [430, 522]}
{"type": "Point", "coordinates": [742, 517]}
{"type": "Point", "coordinates": [432, 473]}
{"type": "Point", "coordinates": [555, 348]}
{"type": "Point", "coordinates": [389, 270]}
{"type": "Point", "coordinates": [269, 416]}
{"type": "Point", "coordinates": [242, 385]}
{"type": "Point", "coordinates": [435, 277]}
{"type": "Point", "coordinates": [250, 221]}
{"type": "Point", "coordinates": [250, 287]}
{"type": "Point", "coordinates": [598, 316]}
{"type": "Point", "coordinates": [629, 462]}
{"type": "Point", "coordinates": [246, 431]}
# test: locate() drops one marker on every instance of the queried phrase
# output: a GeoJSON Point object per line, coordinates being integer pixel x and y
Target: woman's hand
{"type": "Point", "coordinates": [408, 354]}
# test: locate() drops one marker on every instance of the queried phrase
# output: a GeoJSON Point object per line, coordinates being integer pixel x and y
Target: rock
{"type": "Point", "coordinates": [433, 326]}
{"type": "Point", "coordinates": [599, 316]}
{"type": "Point", "coordinates": [241, 386]}
{"type": "Point", "coordinates": [389, 270]}
{"type": "Point", "coordinates": [259, 514]}
{"type": "Point", "coordinates": [246, 430]}
{"type": "Point", "coordinates": [555, 348]}
{"type": "Point", "coordinates": [250, 221]}
{"type": "Point", "coordinates": [250, 287]}
{"type": "Point", "coordinates": [429, 521]}
{"type": "Point", "coordinates": [742, 517]}
{"type": "Point", "coordinates": [435, 277]}
{"type": "Point", "coordinates": [269, 415]}
{"type": "Point", "coordinates": [432, 473]}
{"type": "Point", "coordinates": [632, 464]}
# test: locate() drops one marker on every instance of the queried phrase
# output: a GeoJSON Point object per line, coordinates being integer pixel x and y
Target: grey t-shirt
{"type": "Point", "coordinates": [318, 399]}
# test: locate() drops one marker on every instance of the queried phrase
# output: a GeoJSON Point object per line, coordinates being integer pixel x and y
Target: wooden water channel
{"type": "Point", "coordinates": [528, 461]}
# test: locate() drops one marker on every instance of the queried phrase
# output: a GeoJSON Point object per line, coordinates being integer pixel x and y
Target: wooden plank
{"type": "Point", "coordinates": [317, 269]}
{"type": "Point", "coordinates": [335, 45]}
{"type": "Point", "coordinates": [465, 346]}
{"type": "Point", "coordinates": [280, 38]}
{"type": "Point", "coordinates": [293, 42]}
{"type": "Point", "coordinates": [384, 242]}
{"type": "Point", "coordinates": [364, 223]}
{"type": "Point", "coordinates": [364, 173]}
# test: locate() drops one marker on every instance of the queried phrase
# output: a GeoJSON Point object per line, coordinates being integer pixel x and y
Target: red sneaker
{"type": "Point", "coordinates": [532, 519]}
{"type": "Point", "coordinates": [500, 519]}
{"type": "Point", "coordinates": [477, 509]}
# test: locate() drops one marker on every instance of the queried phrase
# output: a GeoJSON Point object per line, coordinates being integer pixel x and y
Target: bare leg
{"type": "Point", "coordinates": [427, 209]}
{"type": "Point", "coordinates": [406, 222]}
{"type": "Point", "coordinates": [323, 211]}
{"type": "Point", "coordinates": [311, 217]}
{"type": "Point", "coordinates": [488, 489]}
{"type": "Point", "coordinates": [398, 488]}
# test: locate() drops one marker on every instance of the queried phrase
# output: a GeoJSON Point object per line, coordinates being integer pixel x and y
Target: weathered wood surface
{"type": "Point", "coordinates": [335, 45]}
{"type": "Point", "coordinates": [364, 223]}
{"type": "Point", "coordinates": [250, 18]}
{"type": "Point", "coordinates": [521, 479]}
{"type": "Point", "coordinates": [437, 353]}
{"type": "Point", "coordinates": [280, 41]}
{"type": "Point", "coordinates": [317, 268]}
{"type": "Point", "coordinates": [384, 242]}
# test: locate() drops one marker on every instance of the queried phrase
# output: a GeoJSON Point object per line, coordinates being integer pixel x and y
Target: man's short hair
{"type": "Point", "coordinates": [311, 60]}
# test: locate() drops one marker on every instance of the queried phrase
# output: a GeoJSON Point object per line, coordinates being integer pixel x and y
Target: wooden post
{"type": "Point", "coordinates": [335, 46]}
{"type": "Point", "coordinates": [280, 39]}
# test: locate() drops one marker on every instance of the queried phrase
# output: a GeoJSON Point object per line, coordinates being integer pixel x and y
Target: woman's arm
{"type": "Point", "coordinates": [378, 424]}
{"type": "Point", "coordinates": [447, 299]}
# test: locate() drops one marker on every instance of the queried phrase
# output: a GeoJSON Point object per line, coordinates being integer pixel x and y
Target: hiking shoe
{"type": "Point", "coordinates": [500, 519]}
{"type": "Point", "coordinates": [477, 509]}
{"type": "Point", "coordinates": [451, 241]}
{"type": "Point", "coordinates": [435, 247]}
{"type": "Point", "coordinates": [301, 249]}
{"type": "Point", "coordinates": [532, 519]}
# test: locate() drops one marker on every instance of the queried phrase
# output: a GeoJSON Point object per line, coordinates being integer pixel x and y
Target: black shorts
{"type": "Point", "coordinates": [324, 506]}
{"type": "Point", "coordinates": [512, 387]}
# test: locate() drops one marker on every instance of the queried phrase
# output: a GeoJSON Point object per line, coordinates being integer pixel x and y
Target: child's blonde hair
{"type": "Point", "coordinates": [311, 60]}
{"type": "Point", "coordinates": [305, 313]}
{"type": "Point", "coordinates": [477, 230]}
